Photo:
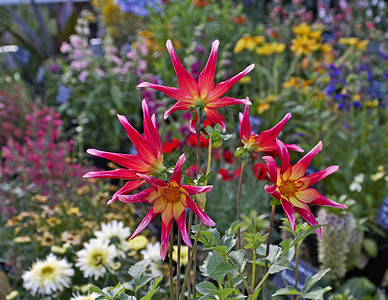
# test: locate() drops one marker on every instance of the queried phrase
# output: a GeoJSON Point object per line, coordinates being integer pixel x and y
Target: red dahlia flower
{"type": "Point", "coordinates": [293, 189]}
{"type": "Point", "coordinates": [202, 94]}
{"type": "Point", "coordinates": [170, 200]}
{"type": "Point", "coordinates": [265, 141]}
{"type": "Point", "coordinates": [149, 160]}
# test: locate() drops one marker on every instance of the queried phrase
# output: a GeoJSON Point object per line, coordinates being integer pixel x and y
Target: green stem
{"type": "Point", "coordinates": [178, 267]}
{"type": "Point", "coordinates": [230, 281]}
{"type": "Point", "coordinates": [190, 262]}
{"type": "Point", "coordinates": [239, 204]}
{"type": "Point", "coordinates": [239, 272]}
{"type": "Point", "coordinates": [170, 263]}
{"type": "Point", "coordinates": [296, 267]}
{"type": "Point", "coordinates": [263, 281]}
{"type": "Point", "coordinates": [267, 252]}
{"type": "Point", "coordinates": [253, 269]}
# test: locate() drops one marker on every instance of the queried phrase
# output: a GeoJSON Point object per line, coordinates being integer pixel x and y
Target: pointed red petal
{"type": "Point", "coordinates": [129, 161]}
{"type": "Point", "coordinates": [166, 229]}
{"type": "Point", "coordinates": [192, 190]}
{"type": "Point", "coordinates": [272, 191]}
{"type": "Point", "coordinates": [119, 173]}
{"type": "Point", "coordinates": [151, 133]}
{"type": "Point", "coordinates": [268, 136]}
{"type": "Point", "coordinates": [225, 86]}
{"type": "Point", "coordinates": [226, 101]}
{"type": "Point", "coordinates": [299, 169]}
{"type": "Point", "coordinates": [312, 179]}
{"type": "Point", "coordinates": [284, 155]}
{"type": "Point", "coordinates": [272, 167]}
{"type": "Point", "coordinates": [139, 197]}
{"type": "Point", "coordinates": [153, 181]}
{"type": "Point", "coordinates": [144, 151]}
{"type": "Point", "coordinates": [245, 124]}
{"type": "Point", "coordinates": [177, 175]}
{"type": "Point", "coordinates": [206, 78]}
{"type": "Point", "coordinates": [308, 216]}
{"type": "Point", "coordinates": [169, 91]}
{"type": "Point", "coordinates": [214, 117]}
{"type": "Point", "coordinates": [327, 202]}
{"type": "Point", "coordinates": [289, 211]}
{"type": "Point", "coordinates": [147, 219]}
{"type": "Point", "coordinates": [177, 106]}
{"type": "Point", "coordinates": [186, 82]}
{"type": "Point", "coordinates": [126, 188]}
{"type": "Point", "coordinates": [199, 212]}
{"type": "Point", "coordinates": [183, 229]}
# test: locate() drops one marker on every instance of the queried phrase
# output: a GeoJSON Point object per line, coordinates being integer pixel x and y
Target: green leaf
{"type": "Point", "coordinates": [289, 290]}
{"type": "Point", "coordinates": [274, 202]}
{"type": "Point", "coordinates": [211, 261]}
{"type": "Point", "coordinates": [310, 281]}
{"type": "Point", "coordinates": [143, 281]}
{"type": "Point", "coordinates": [153, 288]}
{"type": "Point", "coordinates": [94, 289]}
{"type": "Point", "coordinates": [222, 294]}
{"type": "Point", "coordinates": [239, 259]}
{"type": "Point", "coordinates": [222, 269]}
{"type": "Point", "coordinates": [317, 293]}
{"type": "Point", "coordinates": [231, 232]}
{"type": "Point", "coordinates": [279, 265]}
{"type": "Point", "coordinates": [127, 297]}
{"type": "Point", "coordinates": [137, 270]}
{"type": "Point", "coordinates": [206, 287]}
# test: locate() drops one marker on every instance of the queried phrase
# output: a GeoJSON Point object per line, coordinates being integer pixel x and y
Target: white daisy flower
{"type": "Point", "coordinates": [96, 258]}
{"type": "Point", "coordinates": [152, 252]}
{"type": "Point", "coordinates": [116, 234]}
{"type": "Point", "coordinates": [48, 276]}
{"type": "Point", "coordinates": [355, 186]}
{"type": "Point", "coordinates": [91, 296]}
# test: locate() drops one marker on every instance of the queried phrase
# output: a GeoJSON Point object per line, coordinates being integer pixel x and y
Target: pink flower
{"type": "Point", "coordinates": [149, 160]}
{"type": "Point", "coordinates": [265, 141]}
{"type": "Point", "coordinates": [170, 201]}
{"type": "Point", "coordinates": [202, 93]}
{"type": "Point", "coordinates": [65, 47]}
{"type": "Point", "coordinates": [292, 187]}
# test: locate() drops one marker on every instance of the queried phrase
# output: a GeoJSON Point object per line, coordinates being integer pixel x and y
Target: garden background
{"type": "Point", "coordinates": [69, 67]}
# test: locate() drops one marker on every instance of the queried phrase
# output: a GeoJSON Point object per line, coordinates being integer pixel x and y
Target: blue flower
{"type": "Point", "coordinates": [64, 94]}
{"type": "Point", "coordinates": [138, 7]}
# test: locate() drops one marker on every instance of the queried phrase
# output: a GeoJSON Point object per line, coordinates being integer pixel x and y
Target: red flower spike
{"type": "Point", "coordinates": [170, 201]}
{"type": "Point", "coordinates": [203, 93]}
{"type": "Point", "coordinates": [265, 141]}
{"type": "Point", "coordinates": [293, 189]}
{"type": "Point", "coordinates": [149, 160]}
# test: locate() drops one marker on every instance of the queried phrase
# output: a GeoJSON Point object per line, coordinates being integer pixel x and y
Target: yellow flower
{"type": "Point", "coordinates": [303, 46]}
{"type": "Point", "coordinates": [291, 83]}
{"type": "Point", "coordinates": [53, 221]}
{"type": "Point", "coordinates": [377, 176]}
{"type": "Point", "coordinates": [248, 42]}
{"type": "Point", "coordinates": [326, 48]}
{"type": "Point", "coordinates": [373, 103]}
{"type": "Point", "coordinates": [264, 105]}
{"type": "Point", "coordinates": [57, 249]}
{"type": "Point", "coordinates": [315, 35]}
{"type": "Point", "coordinates": [39, 198]}
{"type": "Point", "coordinates": [245, 79]}
{"type": "Point", "coordinates": [184, 255]}
{"type": "Point", "coordinates": [22, 239]}
{"type": "Point", "coordinates": [266, 49]}
{"type": "Point", "coordinates": [362, 45]}
{"type": "Point", "coordinates": [350, 41]}
{"type": "Point", "coordinates": [138, 243]}
{"type": "Point", "coordinates": [278, 47]}
{"type": "Point", "coordinates": [73, 211]}
{"type": "Point", "coordinates": [302, 29]}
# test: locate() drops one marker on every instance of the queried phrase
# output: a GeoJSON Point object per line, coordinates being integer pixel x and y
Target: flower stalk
{"type": "Point", "coordinates": [263, 281]}
{"type": "Point", "coordinates": [239, 204]}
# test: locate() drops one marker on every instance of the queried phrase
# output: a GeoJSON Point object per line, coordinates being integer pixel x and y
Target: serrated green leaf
{"type": "Point", "coordinates": [143, 281]}
{"type": "Point", "coordinates": [317, 293]}
{"type": "Point", "coordinates": [137, 270]}
{"type": "Point", "coordinates": [279, 265]}
{"type": "Point", "coordinates": [211, 261]}
{"type": "Point", "coordinates": [310, 281]}
{"type": "Point", "coordinates": [222, 269]}
{"type": "Point", "coordinates": [206, 287]}
{"type": "Point", "coordinates": [289, 290]}
{"type": "Point", "coordinates": [223, 294]}
{"type": "Point", "coordinates": [231, 231]}
{"type": "Point", "coordinates": [226, 137]}
{"type": "Point", "coordinates": [239, 259]}
{"type": "Point", "coordinates": [274, 202]}
{"type": "Point", "coordinates": [127, 297]}
{"type": "Point", "coordinates": [221, 250]}
{"type": "Point", "coordinates": [286, 244]}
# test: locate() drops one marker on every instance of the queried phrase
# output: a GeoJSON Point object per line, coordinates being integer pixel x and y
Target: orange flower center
{"type": "Point", "coordinates": [288, 188]}
{"type": "Point", "coordinates": [171, 194]}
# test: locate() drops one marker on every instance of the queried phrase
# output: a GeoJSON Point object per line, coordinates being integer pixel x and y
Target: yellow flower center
{"type": "Point", "coordinates": [171, 194]}
{"type": "Point", "coordinates": [288, 188]}
{"type": "Point", "coordinates": [97, 259]}
{"type": "Point", "coordinates": [47, 272]}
